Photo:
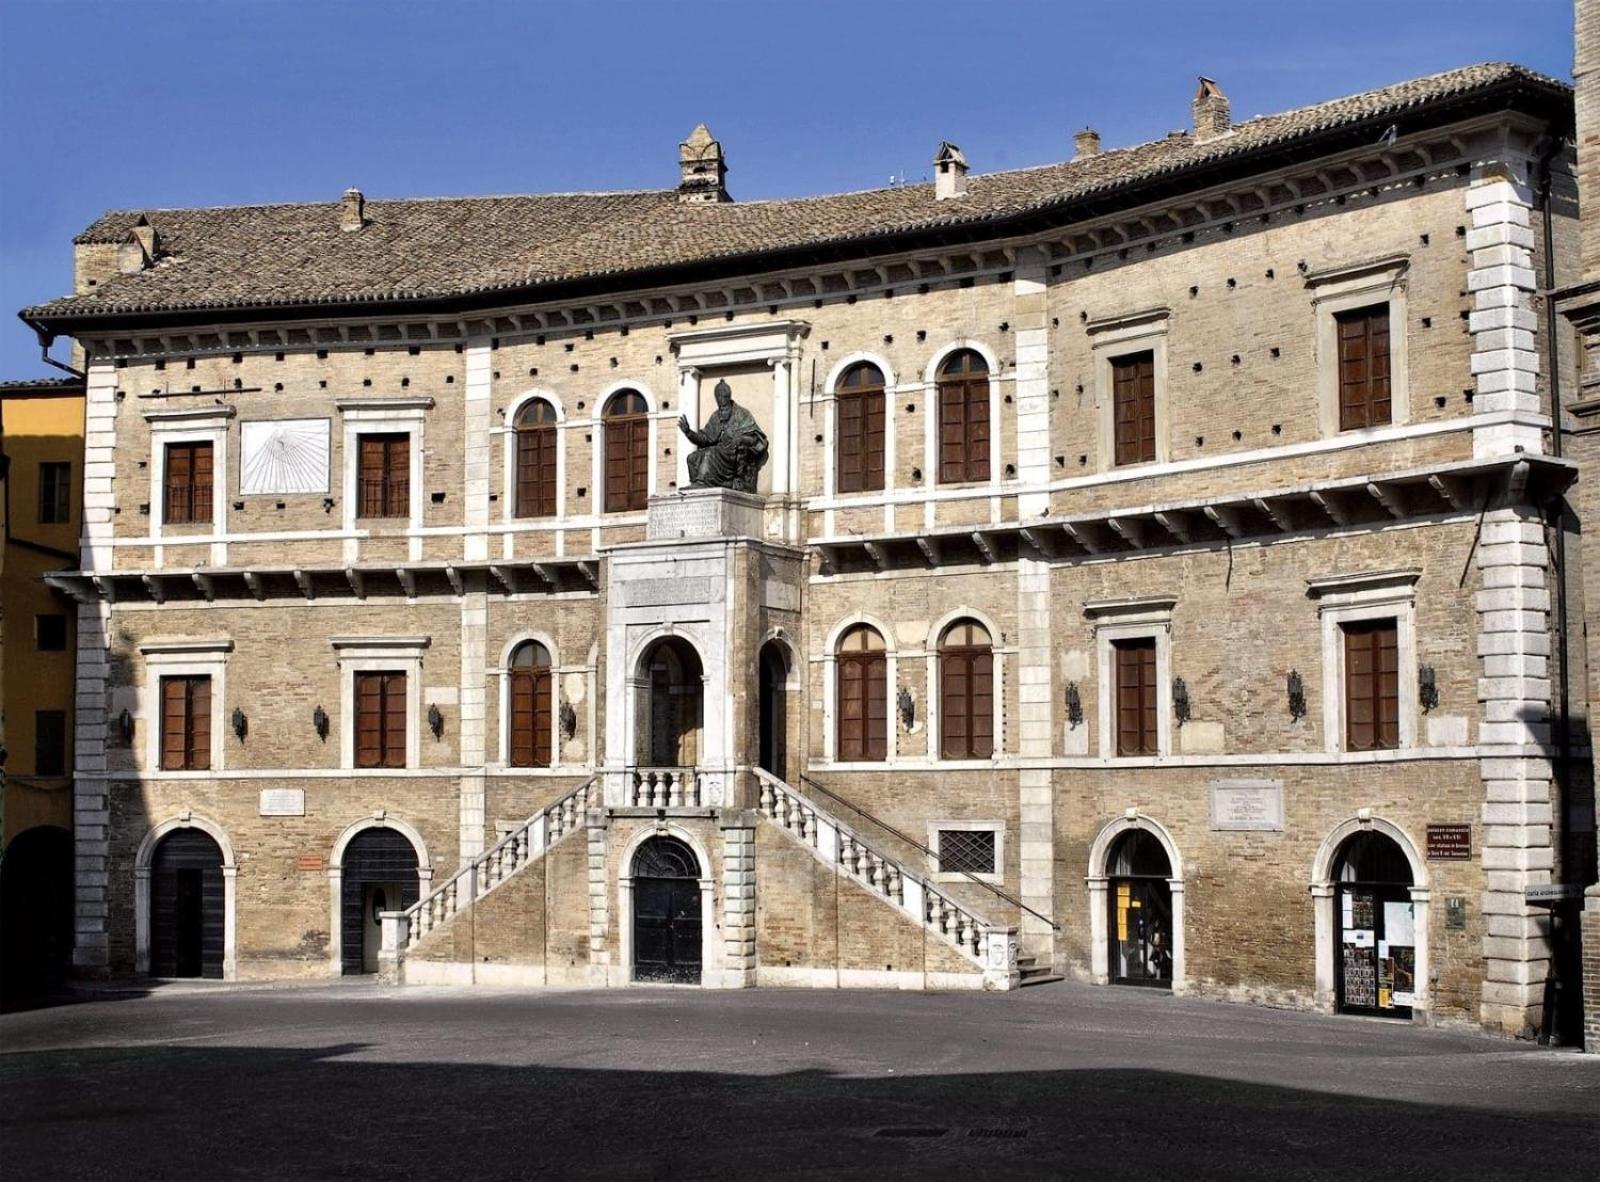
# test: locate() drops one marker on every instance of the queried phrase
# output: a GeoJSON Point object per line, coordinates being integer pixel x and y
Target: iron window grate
{"type": "Point", "coordinates": [969, 850]}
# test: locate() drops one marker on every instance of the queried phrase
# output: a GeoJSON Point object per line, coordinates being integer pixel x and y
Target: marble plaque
{"type": "Point", "coordinates": [283, 456]}
{"type": "Point", "coordinates": [782, 596]}
{"type": "Point", "coordinates": [1251, 806]}
{"type": "Point", "coordinates": [283, 802]}
{"type": "Point", "coordinates": [665, 592]}
{"type": "Point", "coordinates": [703, 513]}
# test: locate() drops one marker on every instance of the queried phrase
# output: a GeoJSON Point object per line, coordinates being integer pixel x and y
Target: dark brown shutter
{"type": "Point", "coordinates": [1136, 697]}
{"type": "Point", "coordinates": [174, 713]}
{"type": "Point", "coordinates": [1364, 398]}
{"type": "Point", "coordinates": [627, 463]}
{"type": "Point", "coordinates": [369, 719]}
{"type": "Point", "coordinates": [863, 707]}
{"type": "Point", "coordinates": [861, 441]}
{"type": "Point", "coordinates": [185, 723]}
{"type": "Point", "coordinates": [383, 475]}
{"type": "Point", "coordinates": [876, 678]}
{"type": "Point", "coordinates": [200, 485]}
{"type": "Point", "coordinates": [179, 472]}
{"type": "Point", "coordinates": [369, 477]}
{"type": "Point", "coordinates": [536, 471]}
{"type": "Point", "coordinates": [966, 702]}
{"type": "Point", "coordinates": [531, 702]}
{"type": "Point", "coordinates": [198, 756]}
{"type": "Point", "coordinates": [394, 720]}
{"type": "Point", "coordinates": [1371, 685]}
{"type": "Point", "coordinates": [1133, 390]}
{"type": "Point", "coordinates": [963, 430]}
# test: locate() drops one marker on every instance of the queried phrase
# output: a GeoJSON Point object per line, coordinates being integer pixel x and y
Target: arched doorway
{"type": "Point", "coordinates": [35, 914]}
{"type": "Point", "coordinates": [378, 873]}
{"type": "Point", "coordinates": [670, 704]}
{"type": "Point", "coordinates": [1139, 928]}
{"type": "Point", "coordinates": [773, 709]}
{"type": "Point", "coordinates": [666, 912]}
{"type": "Point", "coordinates": [1375, 969]}
{"type": "Point", "coordinates": [188, 906]}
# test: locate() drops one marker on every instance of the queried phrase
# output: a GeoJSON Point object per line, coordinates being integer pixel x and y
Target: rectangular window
{"type": "Point", "coordinates": [1364, 399]}
{"type": "Point", "coordinates": [186, 493]}
{"type": "Point", "coordinates": [55, 493]}
{"type": "Point", "coordinates": [49, 742]}
{"type": "Point", "coordinates": [185, 724]}
{"type": "Point", "coordinates": [383, 475]}
{"type": "Point", "coordinates": [50, 632]}
{"type": "Point", "coordinates": [861, 441]}
{"type": "Point", "coordinates": [1133, 396]}
{"type": "Point", "coordinates": [627, 463]}
{"type": "Point", "coordinates": [380, 719]}
{"type": "Point", "coordinates": [969, 850]}
{"type": "Point", "coordinates": [1136, 696]}
{"type": "Point", "coordinates": [1371, 685]}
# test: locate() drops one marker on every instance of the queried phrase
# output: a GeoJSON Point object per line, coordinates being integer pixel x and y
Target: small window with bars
{"type": "Point", "coordinates": [186, 484]}
{"type": "Point", "coordinates": [383, 475]}
{"type": "Point", "coordinates": [967, 851]}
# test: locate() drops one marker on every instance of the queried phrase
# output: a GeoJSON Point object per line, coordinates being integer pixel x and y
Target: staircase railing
{"type": "Point", "coordinates": [489, 869]}
{"type": "Point", "coordinates": [993, 947]}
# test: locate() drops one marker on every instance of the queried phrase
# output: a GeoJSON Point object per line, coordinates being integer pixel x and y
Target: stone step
{"type": "Point", "coordinates": [1038, 976]}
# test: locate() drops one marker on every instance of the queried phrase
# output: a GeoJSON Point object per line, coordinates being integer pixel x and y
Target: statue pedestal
{"type": "Point", "coordinates": [704, 513]}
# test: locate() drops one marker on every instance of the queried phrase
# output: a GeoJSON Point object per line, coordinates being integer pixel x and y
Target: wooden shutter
{"type": "Point", "coordinates": [173, 715]}
{"type": "Point", "coordinates": [178, 476]}
{"type": "Point", "coordinates": [627, 463]}
{"type": "Point", "coordinates": [531, 702]}
{"type": "Point", "coordinates": [963, 430]}
{"type": "Point", "coordinates": [198, 755]}
{"type": "Point", "coordinates": [369, 477]}
{"type": "Point", "coordinates": [536, 472]}
{"type": "Point", "coordinates": [1371, 685]}
{"type": "Point", "coordinates": [860, 450]}
{"type": "Point", "coordinates": [1364, 398]}
{"type": "Point", "coordinates": [185, 723]}
{"type": "Point", "coordinates": [200, 483]}
{"type": "Point", "coordinates": [1136, 697]}
{"type": "Point", "coordinates": [397, 476]}
{"type": "Point", "coordinates": [966, 703]}
{"type": "Point", "coordinates": [1133, 390]}
{"type": "Point", "coordinates": [876, 723]}
{"type": "Point", "coordinates": [369, 719]}
{"type": "Point", "coordinates": [394, 720]}
{"type": "Point", "coordinates": [383, 475]}
{"type": "Point", "coordinates": [863, 707]}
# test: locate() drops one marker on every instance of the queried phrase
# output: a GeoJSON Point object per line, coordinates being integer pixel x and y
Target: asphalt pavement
{"type": "Point", "coordinates": [353, 1080]}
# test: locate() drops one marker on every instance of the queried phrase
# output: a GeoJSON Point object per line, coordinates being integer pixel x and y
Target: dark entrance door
{"type": "Point", "coordinates": [187, 907]}
{"type": "Point", "coordinates": [774, 711]}
{"type": "Point", "coordinates": [35, 914]}
{"type": "Point", "coordinates": [378, 873]}
{"type": "Point", "coordinates": [1375, 958]}
{"type": "Point", "coordinates": [1140, 930]}
{"type": "Point", "coordinates": [666, 912]}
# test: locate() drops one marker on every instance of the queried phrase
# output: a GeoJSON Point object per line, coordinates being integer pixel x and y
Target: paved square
{"type": "Point", "coordinates": [352, 1080]}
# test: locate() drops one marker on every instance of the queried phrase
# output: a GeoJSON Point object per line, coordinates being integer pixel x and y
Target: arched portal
{"type": "Point", "coordinates": [1375, 969]}
{"type": "Point", "coordinates": [1139, 926]}
{"type": "Point", "coordinates": [667, 920]}
{"type": "Point", "coordinates": [378, 873]}
{"type": "Point", "coordinates": [773, 707]}
{"type": "Point", "coordinates": [35, 914]}
{"type": "Point", "coordinates": [188, 907]}
{"type": "Point", "coordinates": [669, 701]}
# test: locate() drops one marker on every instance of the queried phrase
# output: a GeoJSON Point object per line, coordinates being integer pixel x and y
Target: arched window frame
{"type": "Point", "coordinates": [512, 458]}
{"type": "Point", "coordinates": [604, 442]}
{"type": "Point", "coordinates": [973, 469]}
{"type": "Point", "coordinates": [506, 673]}
{"type": "Point", "coordinates": [972, 660]}
{"type": "Point", "coordinates": [932, 708]}
{"type": "Point", "coordinates": [838, 394]}
{"type": "Point", "coordinates": [835, 662]}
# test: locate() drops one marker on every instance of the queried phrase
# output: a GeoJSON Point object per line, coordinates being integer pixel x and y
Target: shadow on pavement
{"type": "Point", "coordinates": [171, 1112]}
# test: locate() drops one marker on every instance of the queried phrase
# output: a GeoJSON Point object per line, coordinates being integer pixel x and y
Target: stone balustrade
{"type": "Point", "coordinates": [665, 788]}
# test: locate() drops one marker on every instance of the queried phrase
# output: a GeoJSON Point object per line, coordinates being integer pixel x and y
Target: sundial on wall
{"type": "Point", "coordinates": [284, 456]}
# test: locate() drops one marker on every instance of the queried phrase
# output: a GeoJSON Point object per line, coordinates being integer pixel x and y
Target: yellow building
{"type": "Point", "coordinates": [41, 439]}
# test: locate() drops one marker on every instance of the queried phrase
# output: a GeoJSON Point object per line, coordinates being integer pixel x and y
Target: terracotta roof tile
{"type": "Point", "coordinates": [280, 255]}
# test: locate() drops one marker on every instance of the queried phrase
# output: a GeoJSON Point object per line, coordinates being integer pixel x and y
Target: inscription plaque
{"type": "Point", "coordinates": [665, 592]}
{"type": "Point", "coordinates": [1449, 843]}
{"type": "Point", "coordinates": [1249, 806]}
{"type": "Point", "coordinates": [283, 802]}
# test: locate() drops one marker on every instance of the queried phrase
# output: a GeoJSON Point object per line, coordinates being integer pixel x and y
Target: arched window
{"type": "Point", "coordinates": [532, 693]}
{"type": "Point", "coordinates": [859, 445]}
{"type": "Point", "coordinates": [963, 418]}
{"type": "Point", "coordinates": [626, 446]}
{"type": "Point", "coordinates": [966, 692]}
{"type": "Point", "coordinates": [535, 433]}
{"type": "Point", "coordinates": [863, 696]}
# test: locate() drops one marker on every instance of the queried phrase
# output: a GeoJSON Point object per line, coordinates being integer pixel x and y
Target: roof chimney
{"type": "Point", "coordinates": [1086, 143]}
{"type": "Point", "coordinates": [1212, 116]}
{"type": "Point", "coordinates": [139, 249]}
{"type": "Point", "coordinates": [353, 210]}
{"type": "Point", "coordinates": [949, 172]}
{"type": "Point", "coordinates": [702, 171]}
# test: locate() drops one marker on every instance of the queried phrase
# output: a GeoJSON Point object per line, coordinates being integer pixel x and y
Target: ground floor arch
{"type": "Point", "coordinates": [1136, 921]}
{"type": "Point", "coordinates": [35, 914]}
{"type": "Point", "coordinates": [775, 679]}
{"type": "Point", "coordinates": [669, 703]}
{"type": "Point", "coordinates": [376, 867]}
{"type": "Point", "coordinates": [668, 924]}
{"type": "Point", "coordinates": [185, 876]}
{"type": "Point", "coordinates": [1370, 895]}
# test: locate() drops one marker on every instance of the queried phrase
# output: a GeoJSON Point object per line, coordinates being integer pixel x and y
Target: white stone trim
{"type": "Point", "coordinates": [381, 416]}
{"type": "Point", "coordinates": [143, 859]}
{"type": "Point", "coordinates": [1349, 599]}
{"type": "Point", "coordinates": [930, 418]}
{"type": "Point", "coordinates": [830, 420]}
{"type": "Point", "coordinates": [711, 945]}
{"type": "Point", "coordinates": [184, 658]}
{"type": "Point", "coordinates": [205, 426]}
{"type": "Point", "coordinates": [379, 654]}
{"type": "Point", "coordinates": [508, 435]}
{"type": "Point", "coordinates": [1342, 289]}
{"type": "Point", "coordinates": [1503, 322]}
{"type": "Point", "coordinates": [998, 828]}
{"type": "Point", "coordinates": [934, 681]}
{"type": "Point", "coordinates": [597, 452]}
{"type": "Point", "coordinates": [379, 820]}
{"type": "Point", "coordinates": [502, 675]}
{"type": "Point", "coordinates": [1123, 336]}
{"type": "Point", "coordinates": [1324, 890]}
{"type": "Point", "coordinates": [829, 660]}
{"type": "Point", "coordinates": [1132, 619]}
{"type": "Point", "coordinates": [1098, 881]}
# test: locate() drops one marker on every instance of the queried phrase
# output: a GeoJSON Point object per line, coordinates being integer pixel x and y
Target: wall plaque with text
{"type": "Point", "coordinates": [1249, 806]}
{"type": "Point", "coordinates": [283, 802]}
{"type": "Point", "coordinates": [1449, 843]}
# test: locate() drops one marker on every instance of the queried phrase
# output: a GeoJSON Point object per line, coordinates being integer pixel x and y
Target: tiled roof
{"type": "Point", "coordinates": [418, 250]}
{"type": "Point", "coordinates": [40, 385]}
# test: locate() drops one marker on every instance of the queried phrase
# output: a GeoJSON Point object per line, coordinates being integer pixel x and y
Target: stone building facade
{"type": "Point", "coordinates": [1149, 579]}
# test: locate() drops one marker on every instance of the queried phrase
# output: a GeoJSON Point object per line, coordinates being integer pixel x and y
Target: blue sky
{"type": "Point", "coordinates": [142, 104]}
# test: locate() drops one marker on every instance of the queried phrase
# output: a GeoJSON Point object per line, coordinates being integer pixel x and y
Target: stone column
{"type": "Point", "coordinates": [473, 714]}
{"type": "Point", "coordinates": [477, 411]}
{"type": "Point", "coordinates": [1500, 276]}
{"type": "Point", "coordinates": [739, 900]}
{"type": "Point", "coordinates": [599, 908]}
{"type": "Point", "coordinates": [1514, 749]}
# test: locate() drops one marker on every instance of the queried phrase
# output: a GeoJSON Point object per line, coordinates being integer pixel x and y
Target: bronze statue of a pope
{"type": "Point", "coordinates": [729, 449]}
